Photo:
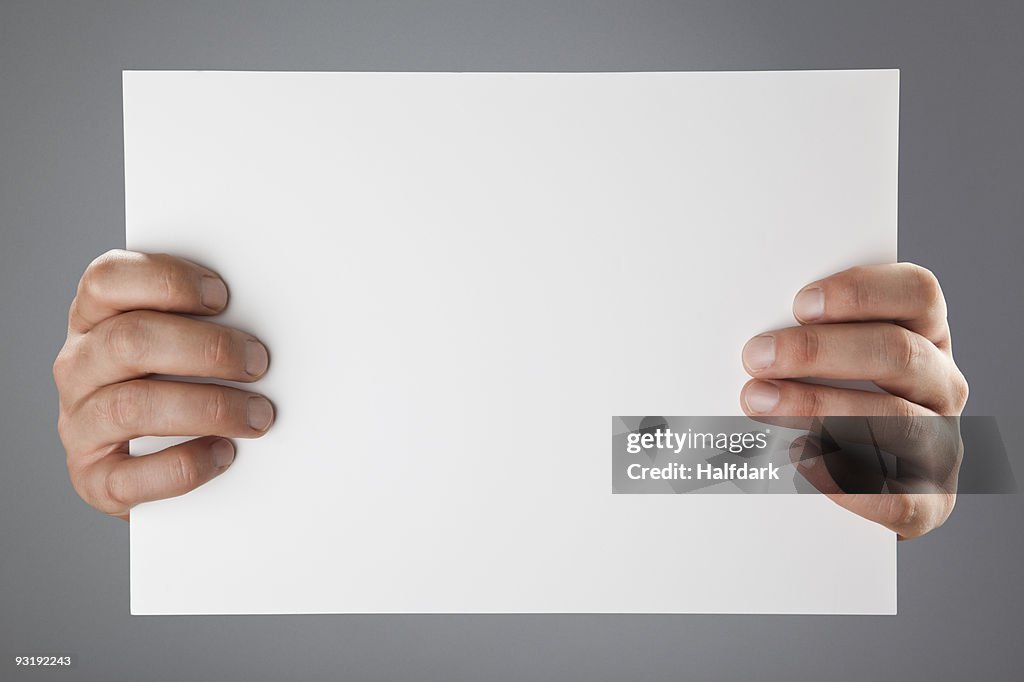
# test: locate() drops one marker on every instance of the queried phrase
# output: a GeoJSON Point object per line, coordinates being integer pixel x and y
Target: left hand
{"type": "Point", "coordinates": [881, 323]}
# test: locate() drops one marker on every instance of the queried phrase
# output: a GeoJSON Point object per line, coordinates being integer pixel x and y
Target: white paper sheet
{"type": "Point", "coordinates": [460, 278]}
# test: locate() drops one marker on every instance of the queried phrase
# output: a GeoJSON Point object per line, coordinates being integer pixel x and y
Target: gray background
{"type": "Point", "coordinates": [64, 567]}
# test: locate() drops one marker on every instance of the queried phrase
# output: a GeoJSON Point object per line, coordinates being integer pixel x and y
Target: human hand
{"type": "Point", "coordinates": [885, 324]}
{"type": "Point", "coordinates": [126, 323]}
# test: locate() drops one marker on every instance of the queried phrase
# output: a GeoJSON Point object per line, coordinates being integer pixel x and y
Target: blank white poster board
{"type": "Point", "coordinates": [461, 278]}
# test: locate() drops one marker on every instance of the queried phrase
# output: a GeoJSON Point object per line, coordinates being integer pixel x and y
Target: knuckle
{"type": "Point", "coordinates": [859, 295]}
{"type": "Point", "coordinates": [810, 403]}
{"type": "Point", "coordinates": [186, 472]}
{"type": "Point", "coordinates": [914, 432]}
{"type": "Point", "coordinates": [126, 404]}
{"type": "Point", "coordinates": [177, 284]}
{"type": "Point", "coordinates": [961, 391]}
{"type": "Point", "coordinates": [916, 514]}
{"type": "Point", "coordinates": [850, 288]}
{"type": "Point", "coordinates": [900, 349]}
{"type": "Point", "coordinates": [807, 346]}
{"type": "Point", "coordinates": [897, 410]}
{"type": "Point", "coordinates": [953, 399]}
{"type": "Point", "coordinates": [115, 491]}
{"type": "Point", "coordinates": [125, 337]}
{"type": "Point", "coordinates": [218, 408]}
{"type": "Point", "coordinates": [61, 366]}
{"type": "Point", "coordinates": [905, 513]}
{"type": "Point", "coordinates": [63, 428]}
{"type": "Point", "coordinates": [898, 423]}
{"type": "Point", "coordinates": [78, 483]}
{"type": "Point", "coordinates": [100, 271]}
{"type": "Point", "coordinates": [217, 350]}
{"type": "Point", "coordinates": [949, 504]}
{"type": "Point", "coordinates": [927, 286]}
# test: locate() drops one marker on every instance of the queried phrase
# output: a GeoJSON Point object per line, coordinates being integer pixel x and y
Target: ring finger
{"type": "Point", "coordinates": [894, 358]}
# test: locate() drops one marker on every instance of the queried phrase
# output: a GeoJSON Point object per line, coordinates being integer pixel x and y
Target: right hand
{"type": "Point", "coordinates": [127, 322]}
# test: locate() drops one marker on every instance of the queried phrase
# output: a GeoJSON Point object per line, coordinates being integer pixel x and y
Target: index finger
{"type": "Point", "coordinates": [119, 281]}
{"type": "Point", "coordinates": [904, 293]}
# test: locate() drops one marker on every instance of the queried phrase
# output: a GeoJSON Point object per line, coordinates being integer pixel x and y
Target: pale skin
{"type": "Point", "coordinates": [132, 317]}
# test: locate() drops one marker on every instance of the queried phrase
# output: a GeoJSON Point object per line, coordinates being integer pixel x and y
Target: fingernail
{"type": "Point", "coordinates": [809, 304]}
{"type": "Point", "coordinates": [212, 293]}
{"type": "Point", "coordinates": [223, 453]}
{"type": "Point", "coordinates": [809, 462]}
{"type": "Point", "coordinates": [260, 413]}
{"type": "Point", "coordinates": [761, 396]}
{"type": "Point", "coordinates": [759, 352]}
{"type": "Point", "coordinates": [255, 358]}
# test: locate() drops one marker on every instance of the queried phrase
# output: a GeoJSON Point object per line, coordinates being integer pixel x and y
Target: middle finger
{"type": "Point", "coordinates": [894, 358]}
{"type": "Point", "coordinates": [134, 344]}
